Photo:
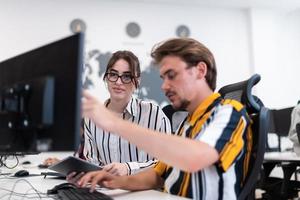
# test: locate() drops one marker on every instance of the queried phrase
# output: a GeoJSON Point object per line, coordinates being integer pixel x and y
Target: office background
{"type": "Point", "coordinates": [246, 37]}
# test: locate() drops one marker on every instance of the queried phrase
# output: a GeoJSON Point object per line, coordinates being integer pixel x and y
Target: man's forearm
{"type": "Point", "coordinates": [173, 150]}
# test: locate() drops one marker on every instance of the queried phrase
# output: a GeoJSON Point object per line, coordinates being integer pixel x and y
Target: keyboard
{"type": "Point", "coordinates": [81, 194]}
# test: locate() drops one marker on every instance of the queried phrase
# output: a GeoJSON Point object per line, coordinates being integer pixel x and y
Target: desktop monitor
{"type": "Point", "coordinates": [40, 98]}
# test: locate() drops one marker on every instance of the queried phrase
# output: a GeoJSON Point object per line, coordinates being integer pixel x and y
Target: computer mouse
{"type": "Point", "coordinates": [61, 186]}
{"type": "Point", "coordinates": [21, 173]}
{"type": "Point", "coordinates": [43, 166]}
{"type": "Point", "coordinates": [26, 162]}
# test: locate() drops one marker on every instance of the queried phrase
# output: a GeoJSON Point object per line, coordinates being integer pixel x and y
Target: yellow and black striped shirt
{"type": "Point", "coordinates": [224, 125]}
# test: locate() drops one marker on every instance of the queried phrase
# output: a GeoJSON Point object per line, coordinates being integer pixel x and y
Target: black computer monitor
{"type": "Point", "coordinates": [40, 97]}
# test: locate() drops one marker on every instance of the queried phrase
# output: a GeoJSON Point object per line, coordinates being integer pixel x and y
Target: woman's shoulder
{"type": "Point", "coordinates": [147, 102]}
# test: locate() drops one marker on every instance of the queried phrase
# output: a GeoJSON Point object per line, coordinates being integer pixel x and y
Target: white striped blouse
{"type": "Point", "coordinates": [102, 147]}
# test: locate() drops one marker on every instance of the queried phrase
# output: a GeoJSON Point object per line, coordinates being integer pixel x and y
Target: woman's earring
{"type": "Point", "coordinates": [105, 84]}
{"type": "Point", "coordinates": [138, 83]}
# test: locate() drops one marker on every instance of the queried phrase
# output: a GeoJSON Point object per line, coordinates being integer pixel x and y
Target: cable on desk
{"type": "Point", "coordinates": [12, 192]}
{"type": "Point", "coordinates": [6, 176]}
{"type": "Point", "coordinates": [3, 161]}
{"type": "Point", "coordinates": [25, 195]}
{"type": "Point", "coordinates": [38, 192]}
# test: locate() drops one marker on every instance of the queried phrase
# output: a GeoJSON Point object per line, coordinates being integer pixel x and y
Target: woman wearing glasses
{"type": "Point", "coordinates": [118, 156]}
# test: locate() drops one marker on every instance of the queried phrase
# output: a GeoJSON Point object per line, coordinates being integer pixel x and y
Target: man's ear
{"type": "Point", "coordinates": [202, 69]}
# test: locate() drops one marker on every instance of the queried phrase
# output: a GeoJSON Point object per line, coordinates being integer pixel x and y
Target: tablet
{"type": "Point", "coordinates": [73, 164]}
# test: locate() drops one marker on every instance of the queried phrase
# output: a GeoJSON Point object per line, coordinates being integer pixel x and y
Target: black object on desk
{"type": "Point", "coordinates": [68, 191]}
{"type": "Point", "coordinates": [26, 163]}
{"type": "Point", "coordinates": [73, 164]}
{"type": "Point", "coordinates": [43, 166]}
{"type": "Point", "coordinates": [61, 186]}
{"type": "Point", "coordinates": [21, 173]}
{"type": "Point", "coordinates": [57, 175]}
{"type": "Point", "coordinates": [24, 173]}
{"type": "Point", "coordinates": [81, 194]}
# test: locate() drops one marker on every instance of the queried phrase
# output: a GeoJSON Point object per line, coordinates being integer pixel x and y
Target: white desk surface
{"type": "Point", "coordinates": [281, 156]}
{"type": "Point", "coordinates": [22, 185]}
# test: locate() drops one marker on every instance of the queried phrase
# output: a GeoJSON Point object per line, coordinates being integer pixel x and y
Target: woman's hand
{"type": "Point", "coordinates": [50, 161]}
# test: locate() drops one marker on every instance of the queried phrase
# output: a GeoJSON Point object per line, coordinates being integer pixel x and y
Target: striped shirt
{"type": "Point", "coordinates": [102, 147]}
{"type": "Point", "coordinates": [224, 125]}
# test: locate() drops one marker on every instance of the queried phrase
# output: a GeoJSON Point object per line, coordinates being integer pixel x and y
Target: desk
{"type": "Point", "coordinates": [288, 162]}
{"type": "Point", "coordinates": [22, 185]}
{"type": "Point", "coordinates": [288, 156]}
{"type": "Point", "coordinates": [282, 187]}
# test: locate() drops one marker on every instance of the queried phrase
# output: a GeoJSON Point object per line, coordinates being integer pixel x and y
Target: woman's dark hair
{"type": "Point", "coordinates": [133, 61]}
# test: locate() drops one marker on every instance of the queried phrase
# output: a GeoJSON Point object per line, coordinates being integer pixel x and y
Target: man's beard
{"type": "Point", "coordinates": [183, 105]}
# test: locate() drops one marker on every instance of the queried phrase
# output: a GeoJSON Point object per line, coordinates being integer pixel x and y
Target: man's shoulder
{"type": "Point", "coordinates": [236, 105]}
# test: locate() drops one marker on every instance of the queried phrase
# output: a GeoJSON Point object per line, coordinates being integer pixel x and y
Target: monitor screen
{"type": "Point", "coordinates": [40, 97]}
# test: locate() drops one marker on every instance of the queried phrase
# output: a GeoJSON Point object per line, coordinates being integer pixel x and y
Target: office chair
{"type": "Point", "coordinates": [280, 125]}
{"type": "Point", "coordinates": [280, 188]}
{"type": "Point", "coordinates": [242, 91]}
{"type": "Point", "coordinates": [175, 116]}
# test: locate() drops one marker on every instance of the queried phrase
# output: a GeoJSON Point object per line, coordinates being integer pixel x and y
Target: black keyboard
{"type": "Point", "coordinates": [81, 194]}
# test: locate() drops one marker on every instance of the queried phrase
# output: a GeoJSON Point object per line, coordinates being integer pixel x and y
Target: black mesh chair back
{"type": "Point", "coordinates": [242, 92]}
{"type": "Point", "coordinates": [175, 116]}
{"type": "Point", "coordinates": [280, 122]}
{"type": "Point", "coordinates": [169, 111]}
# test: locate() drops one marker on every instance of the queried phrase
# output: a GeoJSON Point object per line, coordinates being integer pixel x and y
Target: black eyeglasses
{"type": "Point", "coordinates": [113, 77]}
